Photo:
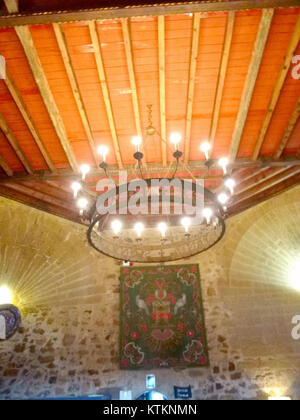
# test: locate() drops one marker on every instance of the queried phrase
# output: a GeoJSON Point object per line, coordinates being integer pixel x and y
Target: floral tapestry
{"type": "Point", "coordinates": [162, 321]}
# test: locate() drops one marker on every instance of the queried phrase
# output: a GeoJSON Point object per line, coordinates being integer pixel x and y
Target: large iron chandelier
{"type": "Point", "coordinates": [167, 223]}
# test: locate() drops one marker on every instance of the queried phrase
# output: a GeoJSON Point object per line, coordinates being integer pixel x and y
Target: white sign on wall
{"type": "Point", "coordinates": [2, 328]}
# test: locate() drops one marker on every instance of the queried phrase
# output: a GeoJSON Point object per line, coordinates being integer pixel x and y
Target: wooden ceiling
{"type": "Point", "coordinates": [217, 71]}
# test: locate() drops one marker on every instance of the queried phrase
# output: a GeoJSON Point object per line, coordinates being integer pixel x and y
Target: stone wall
{"type": "Point", "coordinates": [69, 297]}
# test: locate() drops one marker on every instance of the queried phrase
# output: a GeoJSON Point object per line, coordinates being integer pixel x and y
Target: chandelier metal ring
{"type": "Point", "coordinates": [152, 248]}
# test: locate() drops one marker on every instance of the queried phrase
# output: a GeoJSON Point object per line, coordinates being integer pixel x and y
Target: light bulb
{"type": "Point", "coordinates": [223, 198]}
{"type": "Point", "coordinates": [76, 187]}
{"type": "Point", "coordinates": [205, 148]}
{"type": "Point", "coordinates": [137, 141]}
{"type": "Point", "coordinates": [116, 226]}
{"type": "Point", "coordinates": [84, 169]}
{"type": "Point", "coordinates": [82, 203]}
{"type": "Point", "coordinates": [5, 296]}
{"type": "Point", "coordinates": [162, 227]}
{"type": "Point", "coordinates": [186, 223]}
{"type": "Point", "coordinates": [103, 151]}
{"type": "Point", "coordinates": [230, 184]}
{"type": "Point", "coordinates": [224, 162]}
{"type": "Point", "coordinates": [139, 227]}
{"type": "Point", "coordinates": [175, 139]}
{"type": "Point", "coordinates": [207, 213]}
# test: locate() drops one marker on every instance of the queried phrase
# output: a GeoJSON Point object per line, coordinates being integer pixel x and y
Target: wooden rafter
{"type": "Point", "coordinates": [9, 82]}
{"type": "Point", "coordinates": [129, 58]}
{"type": "Point", "coordinates": [105, 91]}
{"type": "Point", "coordinates": [221, 78]}
{"type": "Point", "coordinates": [267, 183]}
{"type": "Point", "coordinates": [258, 177]}
{"type": "Point", "coordinates": [265, 194]}
{"type": "Point", "coordinates": [288, 131]}
{"type": "Point", "coordinates": [62, 44]}
{"type": "Point", "coordinates": [277, 88]}
{"type": "Point", "coordinates": [8, 134]}
{"type": "Point", "coordinates": [261, 40]}
{"type": "Point", "coordinates": [191, 84]}
{"type": "Point", "coordinates": [162, 86]}
{"type": "Point", "coordinates": [12, 6]}
{"type": "Point", "coordinates": [5, 166]}
{"type": "Point", "coordinates": [141, 10]}
{"type": "Point", "coordinates": [25, 37]}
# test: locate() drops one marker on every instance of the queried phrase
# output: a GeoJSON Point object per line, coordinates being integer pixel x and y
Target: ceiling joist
{"type": "Point", "coordinates": [257, 54]}
{"type": "Point", "coordinates": [47, 96]}
{"type": "Point", "coordinates": [288, 131]}
{"type": "Point", "coordinates": [141, 10]}
{"type": "Point", "coordinates": [129, 58]}
{"type": "Point", "coordinates": [9, 82]}
{"type": "Point", "coordinates": [285, 67]}
{"type": "Point", "coordinates": [162, 86]}
{"type": "Point", "coordinates": [191, 84]}
{"type": "Point", "coordinates": [12, 6]}
{"type": "Point", "coordinates": [8, 134]}
{"type": "Point", "coordinates": [62, 44]}
{"type": "Point", "coordinates": [105, 92]}
{"type": "Point", "coordinates": [5, 166]}
{"type": "Point", "coordinates": [221, 78]}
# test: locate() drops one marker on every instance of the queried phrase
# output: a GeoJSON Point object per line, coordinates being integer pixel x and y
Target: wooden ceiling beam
{"type": "Point", "coordinates": [9, 82]}
{"type": "Point", "coordinates": [162, 86]}
{"type": "Point", "coordinates": [221, 78]}
{"type": "Point", "coordinates": [62, 44]}
{"type": "Point", "coordinates": [141, 10]}
{"type": "Point", "coordinates": [278, 178]}
{"type": "Point", "coordinates": [22, 197]}
{"type": "Point", "coordinates": [288, 131]}
{"type": "Point", "coordinates": [191, 84]}
{"type": "Point", "coordinates": [259, 177]}
{"type": "Point", "coordinates": [105, 92]}
{"type": "Point", "coordinates": [8, 134]}
{"type": "Point", "coordinates": [129, 58]}
{"type": "Point", "coordinates": [25, 37]}
{"type": "Point", "coordinates": [264, 195]}
{"type": "Point", "coordinates": [152, 168]}
{"type": "Point", "coordinates": [257, 55]}
{"type": "Point", "coordinates": [4, 165]}
{"type": "Point", "coordinates": [285, 67]}
{"type": "Point", "coordinates": [12, 6]}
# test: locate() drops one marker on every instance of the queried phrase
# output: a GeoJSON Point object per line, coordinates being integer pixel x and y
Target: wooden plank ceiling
{"type": "Point", "coordinates": [222, 75]}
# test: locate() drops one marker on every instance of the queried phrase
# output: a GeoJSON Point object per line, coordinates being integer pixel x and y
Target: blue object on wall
{"type": "Point", "coordinates": [183, 393]}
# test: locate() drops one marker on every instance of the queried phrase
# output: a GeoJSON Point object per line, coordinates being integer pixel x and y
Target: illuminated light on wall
{"type": "Point", "coordinates": [6, 296]}
{"type": "Point", "coordinates": [295, 276]}
{"type": "Point", "coordinates": [279, 399]}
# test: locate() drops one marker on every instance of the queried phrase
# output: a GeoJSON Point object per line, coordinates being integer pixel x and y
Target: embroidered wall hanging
{"type": "Point", "coordinates": [162, 321]}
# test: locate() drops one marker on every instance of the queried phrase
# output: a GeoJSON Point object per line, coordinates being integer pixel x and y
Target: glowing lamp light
{"type": "Point", "coordinates": [175, 139]}
{"type": "Point", "coordinates": [139, 227]}
{"type": "Point", "coordinates": [224, 162]}
{"type": "Point", "coordinates": [186, 223]}
{"type": "Point", "coordinates": [103, 152]}
{"type": "Point", "coordinates": [295, 276]}
{"type": "Point", "coordinates": [162, 227]}
{"type": "Point", "coordinates": [137, 141]}
{"type": "Point", "coordinates": [223, 198]}
{"type": "Point", "coordinates": [82, 204]}
{"type": "Point", "coordinates": [205, 148]}
{"type": "Point", "coordinates": [76, 187]}
{"type": "Point", "coordinates": [5, 296]}
{"type": "Point", "coordinates": [84, 169]}
{"type": "Point", "coordinates": [279, 398]}
{"type": "Point", "coordinates": [230, 184]}
{"type": "Point", "coordinates": [116, 227]}
{"type": "Point", "coordinates": [207, 213]}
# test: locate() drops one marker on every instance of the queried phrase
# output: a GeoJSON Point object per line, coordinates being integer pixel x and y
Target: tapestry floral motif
{"type": "Point", "coordinates": [162, 322]}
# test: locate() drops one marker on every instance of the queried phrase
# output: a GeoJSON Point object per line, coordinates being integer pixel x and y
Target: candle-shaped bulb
{"type": "Point", "coordinates": [162, 227]}
{"type": "Point", "coordinates": [175, 139]}
{"type": "Point", "coordinates": [207, 213]}
{"type": "Point", "coordinates": [116, 226]}
{"type": "Point", "coordinates": [224, 162]}
{"type": "Point", "coordinates": [137, 141]}
{"type": "Point", "coordinates": [76, 187]}
{"type": "Point", "coordinates": [205, 148]}
{"type": "Point", "coordinates": [186, 223]}
{"type": "Point", "coordinates": [84, 169]}
{"type": "Point", "coordinates": [103, 152]}
{"type": "Point", "coordinates": [139, 227]}
{"type": "Point", "coordinates": [230, 184]}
